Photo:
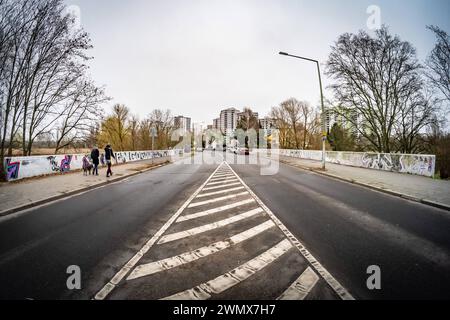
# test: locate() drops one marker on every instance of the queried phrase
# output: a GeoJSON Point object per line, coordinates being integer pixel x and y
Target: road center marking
{"type": "Point", "coordinates": [231, 196]}
{"type": "Point", "coordinates": [301, 287]}
{"type": "Point", "coordinates": [222, 182]}
{"type": "Point", "coordinates": [209, 227]}
{"type": "Point", "coordinates": [222, 186]}
{"type": "Point", "coordinates": [234, 277]}
{"type": "Point", "coordinates": [223, 178]}
{"type": "Point", "coordinates": [215, 210]}
{"type": "Point", "coordinates": [187, 257]}
{"type": "Point", "coordinates": [203, 195]}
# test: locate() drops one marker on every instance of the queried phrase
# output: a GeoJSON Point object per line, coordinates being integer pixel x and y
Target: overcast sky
{"type": "Point", "coordinates": [197, 57]}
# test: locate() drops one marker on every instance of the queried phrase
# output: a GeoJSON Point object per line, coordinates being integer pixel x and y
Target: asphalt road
{"type": "Point", "coordinates": [349, 228]}
{"type": "Point", "coordinates": [346, 228]}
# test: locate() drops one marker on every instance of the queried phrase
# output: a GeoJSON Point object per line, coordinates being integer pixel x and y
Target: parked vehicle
{"type": "Point", "coordinates": [240, 151]}
{"type": "Point", "coordinates": [243, 151]}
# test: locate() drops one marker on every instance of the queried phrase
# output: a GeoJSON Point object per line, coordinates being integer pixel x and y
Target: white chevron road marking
{"type": "Point", "coordinates": [187, 257]}
{"type": "Point", "coordinates": [215, 210]}
{"type": "Point", "coordinates": [209, 227]}
{"type": "Point", "coordinates": [301, 287]}
{"type": "Point", "coordinates": [204, 195]}
{"type": "Point", "coordinates": [234, 277]}
{"type": "Point", "coordinates": [231, 196]}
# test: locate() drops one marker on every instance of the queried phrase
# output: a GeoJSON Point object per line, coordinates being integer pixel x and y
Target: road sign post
{"type": "Point", "coordinates": [154, 134]}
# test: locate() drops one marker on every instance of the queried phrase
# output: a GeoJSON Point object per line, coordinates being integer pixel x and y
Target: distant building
{"type": "Point", "coordinates": [348, 119]}
{"type": "Point", "coordinates": [244, 114]}
{"type": "Point", "coordinates": [228, 122]}
{"type": "Point", "coordinates": [183, 123]}
{"type": "Point", "coordinates": [267, 123]}
{"type": "Point", "coordinates": [216, 124]}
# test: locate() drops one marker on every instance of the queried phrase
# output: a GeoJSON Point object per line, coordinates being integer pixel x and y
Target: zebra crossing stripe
{"type": "Point", "coordinates": [222, 182]}
{"type": "Point", "coordinates": [222, 186]}
{"type": "Point", "coordinates": [231, 196]}
{"type": "Point", "coordinates": [215, 210]}
{"type": "Point", "coordinates": [187, 257]}
{"type": "Point", "coordinates": [234, 277]}
{"type": "Point", "coordinates": [223, 175]}
{"type": "Point", "coordinates": [209, 227]}
{"type": "Point", "coordinates": [222, 178]}
{"type": "Point", "coordinates": [203, 195]}
{"type": "Point", "coordinates": [301, 287]}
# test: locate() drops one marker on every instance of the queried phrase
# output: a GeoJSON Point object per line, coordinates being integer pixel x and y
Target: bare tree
{"type": "Point", "coordinates": [115, 128]}
{"type": "Point", "coordinates": [80, 114]}
{"type": "Point", "coordinates": [163, 122]}
{"type": "Point", "coordinates": [280, 122]}
{"type": "Point", "coordinates": [378, 79]}
{"type": "Point", "coordinates": [145, 140]}
{"type": "Point", "coordinates": [54, 66]}
{"type": "Point", "coordinates": [16, 20]}
{"type": "Point", "coordinates": [438, 62]}
{"type": "Point", "coordinates": [134, 132]}
{"type": "Point", "coordinates": [308, 124]}
{"type": "Point", "coordinates": [297, 122]}
{"type": "Point", "coordinates": [291, 109]}
{"type": "Point", "coordinates": [42, 59]}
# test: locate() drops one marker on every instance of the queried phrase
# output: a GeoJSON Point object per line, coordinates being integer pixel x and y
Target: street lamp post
{"type": "Point", "coordinates": [324, 134]}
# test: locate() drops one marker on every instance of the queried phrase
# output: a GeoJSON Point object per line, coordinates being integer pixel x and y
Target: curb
{"type": "Point", "coordinates": [387, 191]}
{"type": "Point", "coordinates": [30, 205]}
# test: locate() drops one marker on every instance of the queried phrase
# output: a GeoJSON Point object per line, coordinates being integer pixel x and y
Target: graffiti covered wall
{"type": "Point", "coordinates": [18, 168]}
{"type": "Point", "coordinates": [417, 164]}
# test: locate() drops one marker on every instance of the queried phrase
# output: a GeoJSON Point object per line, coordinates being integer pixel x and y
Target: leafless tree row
{"type": "Point", "coordinates": [44, 88]}
{"type": "Point", "coordinates": [298, 124]}
{"type": "Point", "coordinates": [126, 132]}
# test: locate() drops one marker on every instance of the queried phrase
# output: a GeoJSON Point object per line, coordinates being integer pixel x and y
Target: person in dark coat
{"type": "Point", "coordinates": [109, 154]}
{"type": "Point", "coordinates": [95, 156]}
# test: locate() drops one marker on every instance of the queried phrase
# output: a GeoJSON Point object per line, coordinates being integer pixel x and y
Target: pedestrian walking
{"type": "Point", "coordinates": [109, 154]}
{"type": "Point", "coordinates": [95, 156]}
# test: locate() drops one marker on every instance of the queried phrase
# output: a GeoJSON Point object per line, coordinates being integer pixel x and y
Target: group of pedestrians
{"type": "Point", "coordinates": [108, 156]}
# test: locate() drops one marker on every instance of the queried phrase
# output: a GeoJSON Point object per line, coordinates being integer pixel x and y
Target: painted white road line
{"type": "Point", "coordinates": [222, 178]}
{"type": "Point", "coordinates": [218, 173]}
{"type": "Point", "coordinates": [234, 277]}
{"type": "Point", "coordinates": [222, 182]}
{"type": "Point", "coordinates": [215, 210]}
{"type": "Point", "coordinates": [110, 286]}
{"type": "Point", "coordinates": [188, 257]}
{"type": "Point", "coordinates": [209, 227]}
{"type": "Point", "coordinates": [231, 196]}
{"type": "Point", "coordinates": [332, 282]}
{"type": "Point", "coordinates": [222, 186]}
{"type": "Point", "coordinates": [301, 287]}
{"type": "Point", "coordinates": [215, 193]}
{"type": "Point", "coordinates": [216, 176]}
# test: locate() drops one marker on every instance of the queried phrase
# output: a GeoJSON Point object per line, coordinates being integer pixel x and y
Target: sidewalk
{"type": "Point", "coordinates": [20, 195]}
{"type": "Point", "coordinates": [416, 188]}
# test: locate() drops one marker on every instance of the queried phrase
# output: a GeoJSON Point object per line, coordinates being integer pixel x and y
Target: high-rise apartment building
{"type": "Point", "coordinates": [228, 121]}
{"type": "Point", "coordinates": [183, 123]}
